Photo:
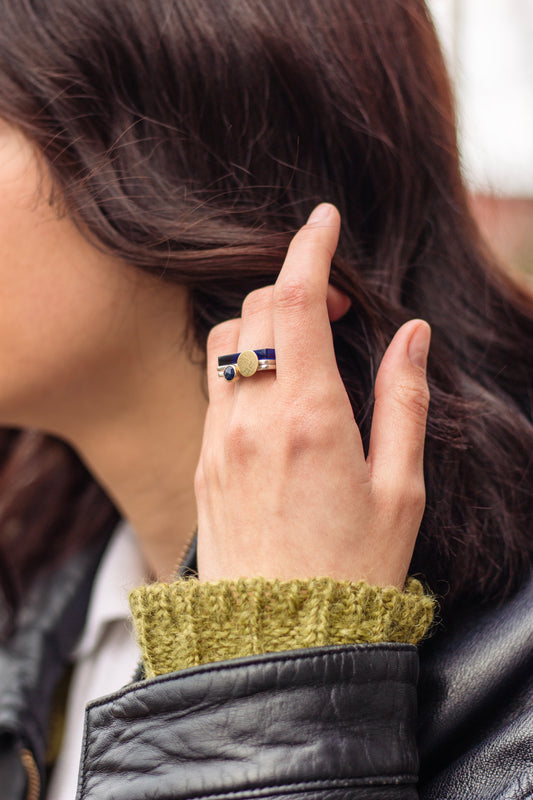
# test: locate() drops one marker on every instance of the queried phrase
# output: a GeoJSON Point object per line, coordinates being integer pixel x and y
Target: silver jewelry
{"type": "Point", "coordinates": [246, 364]}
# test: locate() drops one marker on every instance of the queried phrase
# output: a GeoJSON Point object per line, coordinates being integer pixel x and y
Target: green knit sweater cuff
{"type": "Point", "coordinates": [187, 623]}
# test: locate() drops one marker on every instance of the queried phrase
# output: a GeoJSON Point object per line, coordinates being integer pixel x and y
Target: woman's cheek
{"type": "Point", "coordinates": [62, 301]}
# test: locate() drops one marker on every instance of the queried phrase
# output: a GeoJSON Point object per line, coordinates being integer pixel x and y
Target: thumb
{"type": "Point", "coordinates": [401, 393]}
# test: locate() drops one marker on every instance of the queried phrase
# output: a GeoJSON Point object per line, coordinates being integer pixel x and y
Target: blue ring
{"type": "Point", "coordinates": [266, 353]}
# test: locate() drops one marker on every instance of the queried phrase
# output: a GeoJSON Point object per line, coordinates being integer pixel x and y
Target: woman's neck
{"type": "Point", "coordinates": [145, 458]}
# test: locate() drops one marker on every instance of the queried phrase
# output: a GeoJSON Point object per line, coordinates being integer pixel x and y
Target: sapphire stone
{"type": "Point", "coordinates": [229, 373]}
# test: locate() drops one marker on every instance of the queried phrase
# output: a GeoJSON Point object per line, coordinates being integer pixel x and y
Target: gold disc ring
{"type": "Point", "coordinates": [247, 363]}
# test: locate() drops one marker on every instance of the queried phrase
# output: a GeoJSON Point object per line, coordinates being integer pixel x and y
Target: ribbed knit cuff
{"type": "Point", "coordinates": [187, 623]}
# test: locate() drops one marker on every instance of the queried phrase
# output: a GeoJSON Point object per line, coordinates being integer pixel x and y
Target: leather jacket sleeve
{"type": "Point", "coordinates": [336, 722]}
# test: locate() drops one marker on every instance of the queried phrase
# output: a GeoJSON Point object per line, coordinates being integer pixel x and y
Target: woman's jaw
{"type": "Point", "coordinates": [91, 351]}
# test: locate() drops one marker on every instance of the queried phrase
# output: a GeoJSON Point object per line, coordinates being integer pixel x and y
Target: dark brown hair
{"type": "Point", "coordinates": [191, 138]}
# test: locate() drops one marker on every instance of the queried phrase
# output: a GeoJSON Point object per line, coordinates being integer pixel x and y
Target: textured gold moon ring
{"type": "Point", "coordinates": [247, 363]}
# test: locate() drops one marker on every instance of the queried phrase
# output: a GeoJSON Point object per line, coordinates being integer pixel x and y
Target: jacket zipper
{"type": "Point", "coordinates": [184, 551]}
{"type": "Point", "coordinates": [33, 791]}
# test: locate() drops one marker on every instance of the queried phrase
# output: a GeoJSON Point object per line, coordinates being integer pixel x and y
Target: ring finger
{"type": "Point", "coordinates": [257, 330]}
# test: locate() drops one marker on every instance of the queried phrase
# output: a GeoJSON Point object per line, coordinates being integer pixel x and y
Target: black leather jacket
{"type": "Point", "coordinates": [336, 722]}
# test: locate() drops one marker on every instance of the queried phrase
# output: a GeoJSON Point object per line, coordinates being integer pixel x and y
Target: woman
{"type": "Point", "coordinates": [157, 158]}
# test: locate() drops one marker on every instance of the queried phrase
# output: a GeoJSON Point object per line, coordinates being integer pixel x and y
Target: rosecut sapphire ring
{"type": "Point", "coordinates": [246, 363]}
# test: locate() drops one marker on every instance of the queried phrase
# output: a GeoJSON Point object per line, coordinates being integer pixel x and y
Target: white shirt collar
{"type": "Point", "coordinates": [122, 569]}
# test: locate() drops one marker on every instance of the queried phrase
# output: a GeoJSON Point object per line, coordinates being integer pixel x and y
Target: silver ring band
{"type": "Point", "coordinates": [246, 364]}
{"type": "Point", "coordinates": [263, 364]}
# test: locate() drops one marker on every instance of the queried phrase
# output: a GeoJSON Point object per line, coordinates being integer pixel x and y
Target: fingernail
{"type": "Point", "coordinates": [418, 346]}
{"type": "Point", "coordinates": [320, 213]}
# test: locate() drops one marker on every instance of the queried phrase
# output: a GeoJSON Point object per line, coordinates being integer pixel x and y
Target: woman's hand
{"type": "Point", "coordinates": [283, 487]}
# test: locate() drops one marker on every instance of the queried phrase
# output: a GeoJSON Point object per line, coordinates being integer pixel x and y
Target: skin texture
{"type": "Point", "coordinates": [283, 486]}
{"type": "Point", "coordinates": [91, 351]}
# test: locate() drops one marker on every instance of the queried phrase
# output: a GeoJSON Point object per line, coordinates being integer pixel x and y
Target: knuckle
{"type": "Point", "coordinates": [200, 481]}
{"type": "Point", "coordinates": [413, 398]}
{"type": "Point", "coordinates": [308, 426]}
{"type": "Point", "coordinates": [292, 293]}
{"type": "Point", "coordinates": [258, 301]}
{"type": "Point", "coordinates": [406, 499]}
{"type": "Point", "coordinates": [414, 496]}
{"type": "Point", "coordinates": [209, 466]}
{"type": "Point", "coordinates": [300, 438]}
{"type": "Point", "coordinates": [240, 443]}
{"type": "Point", "coordinates": [221, 334]}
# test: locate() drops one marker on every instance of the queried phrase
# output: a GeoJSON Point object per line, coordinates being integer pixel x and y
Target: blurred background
{"type": "Point", "coordinates": [489, 47]}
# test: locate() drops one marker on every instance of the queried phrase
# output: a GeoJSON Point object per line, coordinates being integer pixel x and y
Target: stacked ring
{"type": "Point", "coordinates": [246, 363]}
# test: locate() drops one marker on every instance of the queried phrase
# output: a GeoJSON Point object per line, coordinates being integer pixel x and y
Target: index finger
{"type": "Point", "coordinates": [302, 329]}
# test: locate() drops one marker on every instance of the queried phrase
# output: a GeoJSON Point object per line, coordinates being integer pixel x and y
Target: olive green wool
{"type": "Point", "coordinates": [187, 623]}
